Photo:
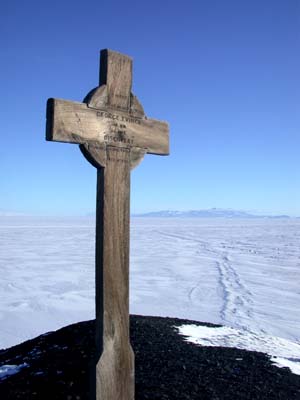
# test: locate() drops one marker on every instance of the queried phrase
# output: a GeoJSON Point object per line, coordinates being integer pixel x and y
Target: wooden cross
{"type": "Point", "coordinates": [114, 134]}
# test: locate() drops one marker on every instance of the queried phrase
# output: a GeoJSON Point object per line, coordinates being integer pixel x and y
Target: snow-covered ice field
{"type": "Point", "coordinates": [240, 273]}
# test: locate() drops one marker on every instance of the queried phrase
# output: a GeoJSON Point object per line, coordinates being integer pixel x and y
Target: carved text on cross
{"type": "Point", "coordinates": [114, 134]}
{"type": "Point", "coordinates": [111, 115]}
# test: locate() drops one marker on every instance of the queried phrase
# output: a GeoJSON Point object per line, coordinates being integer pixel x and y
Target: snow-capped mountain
{"type": "Point", "coordinates": [210, 213]}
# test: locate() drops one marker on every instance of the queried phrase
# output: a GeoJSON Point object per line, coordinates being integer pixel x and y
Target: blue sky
{"type": "Point", "coordinates": [224, 74]}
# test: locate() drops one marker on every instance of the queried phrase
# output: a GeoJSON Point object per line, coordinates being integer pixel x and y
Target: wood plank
{"type": "Point", "coordinates": [115, 369]}
{"type": "Point", "coordinates": [116, 74]}
{"type": "Point", "coordinates": [74, 122]}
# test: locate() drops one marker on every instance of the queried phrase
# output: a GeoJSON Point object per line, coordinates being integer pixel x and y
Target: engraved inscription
{"type": "Point", "coordinates": [117, 117]}
{"type": "Point", "coordinates": [131, 120]}
{"type": "Point", "coordinates": [120, 138]}
{"type": "Point", "coordinates": [117, 134]}
{"type": "Point", "coordinates": [118, 128]}
{"type": "Point", "coordinates": [118, 154]}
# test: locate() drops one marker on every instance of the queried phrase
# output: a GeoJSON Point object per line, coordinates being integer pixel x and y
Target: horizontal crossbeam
{"type": "Point", "coordinates": [74, 122]}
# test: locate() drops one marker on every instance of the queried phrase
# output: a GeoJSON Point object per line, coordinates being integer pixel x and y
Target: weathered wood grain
{"type": "Point", "coordinates": [114, 135]}
{"type": "Point", "coordinates": [116, 74]}
{"type": "Point", "coordinates": [73, 122]}
{"type": "Point", "coordinates": [98, 98]}
{"type": "Point", "coordinates": [115, 369]}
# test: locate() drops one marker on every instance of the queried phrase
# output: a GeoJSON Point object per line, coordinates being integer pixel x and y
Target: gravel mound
{"type": "Point", "coordinates": [60, 365]}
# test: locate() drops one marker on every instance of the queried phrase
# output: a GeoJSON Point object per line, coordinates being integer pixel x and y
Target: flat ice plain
{"type": "Point", "coordinates": [243, 274]}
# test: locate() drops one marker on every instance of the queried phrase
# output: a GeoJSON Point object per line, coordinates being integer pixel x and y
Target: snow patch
{"type": "Point", "coordinates": [284, 353]}
{"type": "Point", "coordinates": [7, 370]}
{"type": "Point", "coordinates": [280, 362]}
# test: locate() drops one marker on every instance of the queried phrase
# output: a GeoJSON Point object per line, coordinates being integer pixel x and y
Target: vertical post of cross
{"type": "Point", "coordinates": [115, 368]}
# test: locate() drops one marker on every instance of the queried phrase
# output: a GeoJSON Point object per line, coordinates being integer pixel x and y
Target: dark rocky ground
{"type": "Point", "coordinates": [167, 368]}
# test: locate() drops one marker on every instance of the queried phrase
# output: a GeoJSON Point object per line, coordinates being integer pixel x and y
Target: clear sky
{"type": "Point", "coordinates": [224, 74]}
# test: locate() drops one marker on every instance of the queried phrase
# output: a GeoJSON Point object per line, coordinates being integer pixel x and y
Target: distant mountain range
{"type": "Point", "coordinates": [210, 213]}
